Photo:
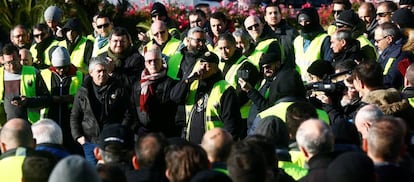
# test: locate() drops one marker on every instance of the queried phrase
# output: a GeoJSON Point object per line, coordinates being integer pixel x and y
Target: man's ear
{"type": "Point", "coordinates": [168, 174]}
{"type": "Point", "coordinates": [3, 147]}
{"type": "Point", "coordinates": [365, 145]}
{"type": "Point", "coordinates": [97, 154]}
{"type": "Point", "coordinates": [135, 163]}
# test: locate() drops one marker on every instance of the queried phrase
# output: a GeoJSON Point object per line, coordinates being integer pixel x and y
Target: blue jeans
{"type": "Point", "coordinates": [88, 150]}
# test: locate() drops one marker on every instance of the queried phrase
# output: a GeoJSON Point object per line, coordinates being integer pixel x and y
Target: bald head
{"type": "Point", "coordinates": [365, 117]}
{"type": "Point", "coordinates": [254, 26]}
{"type": "Point", "coordinates": [217, 143]}
{"type": "Point", "coordinates": [16, 133]}
{"type": "Point", "coordinates": [313, 137]}
{"type": "Point", "coordinates": [159, 32]}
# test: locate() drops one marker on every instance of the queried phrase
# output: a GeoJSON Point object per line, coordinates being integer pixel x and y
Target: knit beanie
{"type": "Point", "coordinates": [53, 13]}
{"type": "Point", "coordinates": [209, 57]}
{"type": "Point", "coordinates": [60, 57]}
{"type": "Point", "coordinates": [74, 168]}
{"type": "Point", "coordinates": [348, 18]}
{"type": "Point", "coordinates": [321, 68]}
{"type": "Point", "coordinates": [73, 24]}
{"type": "Point", "coordinates": [269, 58]}
{"type": "Point", "coordinates": [158, 9]}
{"type": "Point", "coordinates": [404, 18]}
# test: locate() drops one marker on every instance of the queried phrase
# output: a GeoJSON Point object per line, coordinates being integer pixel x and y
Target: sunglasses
{"type": "Point", "coordinates": [383, 14]}
{"type": "Point", "coordinates": [198, 40]}
{"type": "Point", "coordinates": [159, 33]}
{"type": "Point", "coordinates": [255, 26]}
{"type": "Point", "coordinates": [39, 35]}
{"type": "Point", "coordinates": [102, 26]}
{"type": "Point", "coordinates": [337, 11]}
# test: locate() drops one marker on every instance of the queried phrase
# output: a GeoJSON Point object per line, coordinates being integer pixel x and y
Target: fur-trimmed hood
{"type": "Point", "coordinates": [388, 100]}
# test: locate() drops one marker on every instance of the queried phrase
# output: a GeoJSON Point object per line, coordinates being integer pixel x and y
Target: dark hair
{"type": "Point", "coordinates": [185, 160]}
{"type": "Point", "coordinates": [111, 172]}
{"type": "Point", "coordinates": [267, 146]}
{"type": "Point", "coordinates": [42, 27]}
{"type": "Point", "coordinates": [227, 37]}
{"type": "Point", "coordinates": [150, 153]}
{"type": "Point", "coordinates": [272, 5]}
{"type": "Point", "coordinates": [198, 12]}
{"type": "Point", "coordinates": [37, 166]}
{"type": "Point", "coordinates": [346, 3]}
{"type": "Point", "coordinates": [391, 6]}
{"type": "Point", "coordinates": [297, 113]}
{"type": "Point", "coordinates": [219, 16]}
{"type": "Point", "coordinates": [9, 49]}
{"type": "Point", "coordinates": [246, 163]}
{"type": "Point", "coordinates": [369, 72]}
{"type": "Point", "coordinates": [121, 31]}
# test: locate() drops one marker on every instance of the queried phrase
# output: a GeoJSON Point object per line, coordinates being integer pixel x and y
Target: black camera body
{"type": "Point", "coordinates": [327, 87]}
{"type": "Point", "coordinates": [243, 73]}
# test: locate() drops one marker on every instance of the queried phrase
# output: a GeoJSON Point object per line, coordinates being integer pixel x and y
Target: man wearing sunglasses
{"type": "Point", "coordinates": [104, 28]}
{"type": "Point", "coordinates": [162, 39]}
{"type": "Point", "coordinates": [78, 46]}
{"type": "Point", "coordinates": [264, 41]}
{"type": "Point", "coordinates": [384, 11]}
{"type": "Point", "coordinates": [338, 6]}
{"type": "Point", "coordinates": [388, 41]}
{"type": "Point", "coordinates": [44, 41]}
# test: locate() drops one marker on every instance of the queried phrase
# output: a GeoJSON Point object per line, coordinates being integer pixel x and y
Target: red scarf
{"type": "Point", "coordinates": [147, 89]}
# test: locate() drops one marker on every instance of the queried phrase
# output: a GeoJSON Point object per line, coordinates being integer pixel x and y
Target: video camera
{"type": "Point", "coordinates": [327, 85]}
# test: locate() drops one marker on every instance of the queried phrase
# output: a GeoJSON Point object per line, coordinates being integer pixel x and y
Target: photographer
{"type": "Point", "coordinates": [278, 82]}
{"type": "Point", "coordinates": [234, 65]}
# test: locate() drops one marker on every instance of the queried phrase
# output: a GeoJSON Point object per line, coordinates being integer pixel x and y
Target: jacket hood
{"type": "Point", "coordinates": [388, 100]}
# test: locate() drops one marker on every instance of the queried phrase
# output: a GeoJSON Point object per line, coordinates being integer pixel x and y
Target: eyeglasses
{"type": "Point", "coordinates": [267, 66]}
{"type": "Point", "coordinates": [337, 11]}
{"type": "Point", "coordinates": [39, 35]}
{"type": "Point", "coordinates": [255, 26]}
{"type": "Point", "coordinates": [152, 60]}
{"type": "Point", "coordinates": [118, 41]}
{"type": "Point", "coordinates": [378, 40]}
{"type": "Point", "coordinates": [102, 26]}
{"type": "Point", "coordinates": [198, 40]}
{"type": "Point", "coordinates": [383, 14]}
{"type": "Point", "coordinates": [159, 33]}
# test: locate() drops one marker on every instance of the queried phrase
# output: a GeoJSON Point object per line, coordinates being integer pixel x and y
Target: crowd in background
{"type": "Point", "coordinates": [261, 102]}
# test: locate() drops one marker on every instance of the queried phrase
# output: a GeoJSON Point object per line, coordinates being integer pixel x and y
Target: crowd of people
{"type": "Point", "coordinates": [261, 102]}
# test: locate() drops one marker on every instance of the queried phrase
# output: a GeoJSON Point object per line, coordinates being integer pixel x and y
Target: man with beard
{"type": "Point", "coordinates": [19, 37]}
{"type": "Point", "coordinates": [125, 62]}
{"type": "Point", "coordinates": [283, 32]}
{"type": "Point", "coordinates": [313, 43]}
{"type": "Point", "coordinates": [210, 101]}
{"type": "Point", "coordinates": [182, 63]}
{"type": "Point", "coordinates": [44, 41]}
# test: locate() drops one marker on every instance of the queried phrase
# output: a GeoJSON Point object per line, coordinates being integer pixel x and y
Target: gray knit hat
{"type": "Point", "coordinates": [74, 168]}
{"type": "Point", "coordinates": [53, 13]}
{"type": "Point", "coordinates": [60, 57]}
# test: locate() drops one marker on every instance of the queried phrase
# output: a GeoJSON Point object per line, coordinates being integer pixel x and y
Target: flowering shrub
{"type": "Point", "coordinates": [236, 12]}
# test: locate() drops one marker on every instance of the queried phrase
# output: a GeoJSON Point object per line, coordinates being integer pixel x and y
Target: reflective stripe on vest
{"type": "Point", "coordinates": [388, 66]}
{"type": "Point", "coordinates": [46, 55]}
{"type": "Point", "coordinates": [280, 111]}
{"type": "Point", "coordinates": [313, 53]}
{"type": "Point", "coordinates": [231, 78]}
{"type": "Point", "coordinates": [212, 113]}
{"type": "Point", "coordinates": [260, 49]}
{"type": "Point", "coordinates": [169, 49]}
{"type": "Point", "coordinates": [363, 41]}
{"type": "Point", "coordinates": [97, 51]}
{"type": "Point", "coordinates": [293, 170]}
{"type": "Point", "coordinates": [174, 66]}
{"type": "Point", "coordinates": [75, 84]}
{"type": "Point", "coordinates": [27, 88]}
{"type": "Point", "coordinates": [77, 55]}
